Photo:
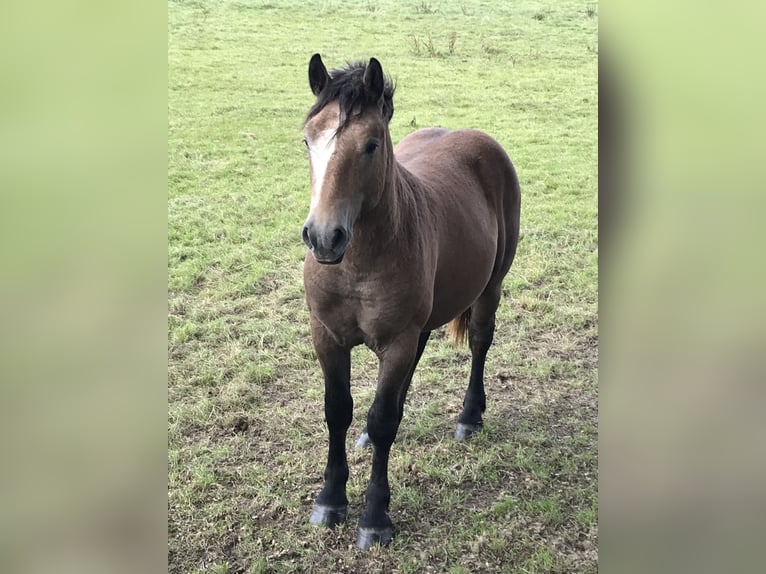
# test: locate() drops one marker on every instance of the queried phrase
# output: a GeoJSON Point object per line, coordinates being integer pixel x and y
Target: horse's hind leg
{"type": "Point", "coordinates": [364, 438]}
{"type": "Point", "coordinates": [481, 332]}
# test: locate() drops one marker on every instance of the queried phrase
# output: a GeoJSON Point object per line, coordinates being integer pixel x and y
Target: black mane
{"type": "Point", "coordinates": [346, 85]}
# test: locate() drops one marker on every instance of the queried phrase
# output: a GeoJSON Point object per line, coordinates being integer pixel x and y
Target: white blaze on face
{"type": "Point", "coordinates": [321, 151]}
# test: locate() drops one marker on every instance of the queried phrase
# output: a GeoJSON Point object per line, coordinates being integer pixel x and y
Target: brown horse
{"type": "Point", "coordinates": [401, 241]}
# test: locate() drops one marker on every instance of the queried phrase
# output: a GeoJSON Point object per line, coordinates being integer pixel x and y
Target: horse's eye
{"type": "Point", "coordinates": [306, 142]}
{"type": "Point", "coordinates": [370, 148]}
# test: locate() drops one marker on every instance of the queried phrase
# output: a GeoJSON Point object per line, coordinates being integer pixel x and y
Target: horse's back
{"type": "Point", "coordinates": [411, 146]}
{"type": "Point", "coordinates": [473, 192]}
{"type": "Point", "coordinates": [438, 156]}
{"type": "Point", "coordinates": [454, 164]}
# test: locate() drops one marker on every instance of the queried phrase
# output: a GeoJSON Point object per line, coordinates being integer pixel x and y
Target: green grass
{"type": "Point", "coordinates": [246, 436]}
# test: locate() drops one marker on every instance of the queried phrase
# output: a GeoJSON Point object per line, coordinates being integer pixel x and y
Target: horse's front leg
{"type": "Point", "coordinates": [331, 506]}
{"type": "Point", "coordinates": [396, 360]}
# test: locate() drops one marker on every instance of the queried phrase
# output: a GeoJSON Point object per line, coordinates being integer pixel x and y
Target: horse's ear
{"type": "Point", "coordinates": [318, 75]}
{"type": "Point", "coordinates": [373, 79]}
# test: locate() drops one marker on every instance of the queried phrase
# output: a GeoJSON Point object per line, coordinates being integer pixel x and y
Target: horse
{"type": "Point", "coordinates": [401, 240]}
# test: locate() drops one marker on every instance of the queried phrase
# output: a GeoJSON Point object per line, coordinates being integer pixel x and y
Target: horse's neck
{"type": "Point", "coordinates": [397, 212]}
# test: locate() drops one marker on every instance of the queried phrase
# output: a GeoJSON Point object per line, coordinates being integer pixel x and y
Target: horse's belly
{"type": "Point", "coordinates": [464, 270]}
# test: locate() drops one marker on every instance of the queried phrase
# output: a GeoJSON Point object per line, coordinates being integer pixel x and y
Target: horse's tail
{"type": "Point", "coordinates": [457, 328]}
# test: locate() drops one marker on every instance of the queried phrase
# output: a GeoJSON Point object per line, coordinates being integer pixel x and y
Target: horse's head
{"type": "Point", "coordinates": [350, 150]}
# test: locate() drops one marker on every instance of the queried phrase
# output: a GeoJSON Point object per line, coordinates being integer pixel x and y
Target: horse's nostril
{"type": "Point", "coordinates": [338, 237]}
{"type": "Point", "coordinates": [306, 237]}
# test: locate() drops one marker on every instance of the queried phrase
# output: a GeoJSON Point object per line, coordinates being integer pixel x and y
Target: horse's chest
{"type": "Point", "coordinates": [364, 313]}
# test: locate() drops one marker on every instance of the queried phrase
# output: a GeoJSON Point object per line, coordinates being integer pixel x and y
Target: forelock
{"type": "Point", "coordinates": [346, 85]}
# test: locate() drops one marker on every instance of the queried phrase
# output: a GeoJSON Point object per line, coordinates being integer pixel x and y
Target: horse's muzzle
{"type": "Point", "coordinates": [327, 246]}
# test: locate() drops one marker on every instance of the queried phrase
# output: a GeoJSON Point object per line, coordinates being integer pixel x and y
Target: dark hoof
{"type": "Point", "coordinates": [329, 516]}
{"type": "Point", "coordinates": [369, 537]}
{"type": "Point", "coordinates": [464, 431]}
{"type": "Point", "coordinates": [363, 440]}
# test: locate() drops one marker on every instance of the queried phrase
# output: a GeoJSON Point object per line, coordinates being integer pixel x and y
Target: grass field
{"type": "Point", "coordinates": [246, 434]}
